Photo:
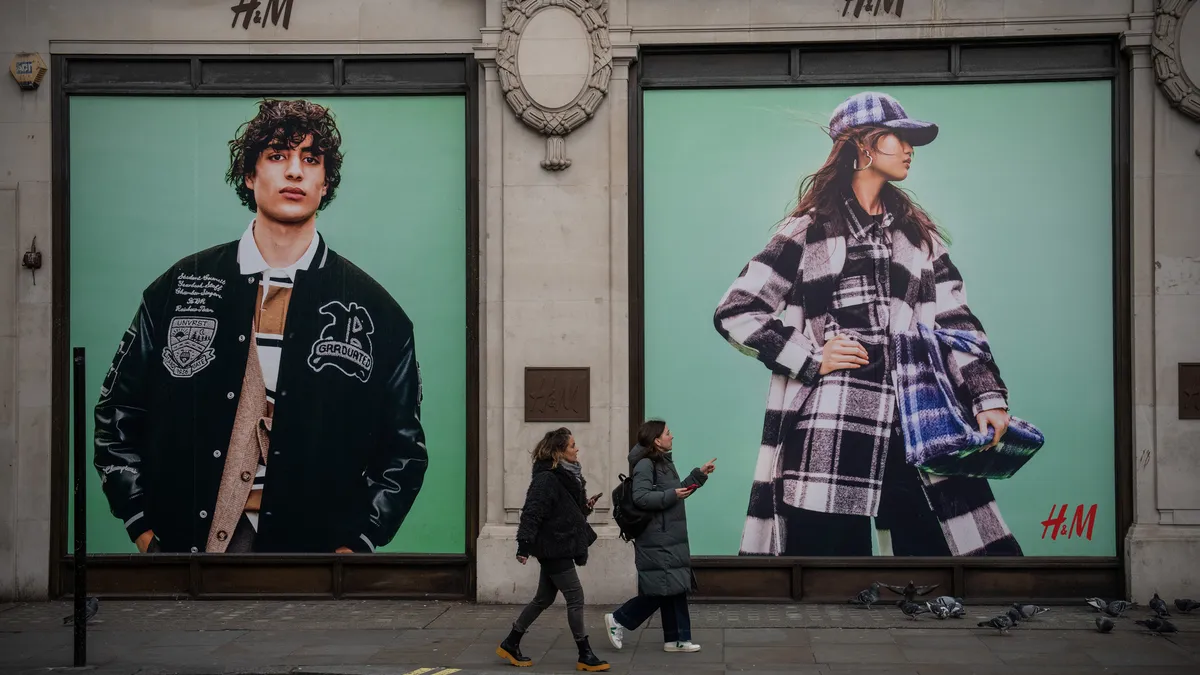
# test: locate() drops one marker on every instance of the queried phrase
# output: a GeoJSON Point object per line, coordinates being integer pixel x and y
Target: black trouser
{"type": "Point", "coordinates": [676, 622]}
{"type": "Point", "coordinates": [555, 576]}
{"type": "Point", "coordinates": [903, 511]}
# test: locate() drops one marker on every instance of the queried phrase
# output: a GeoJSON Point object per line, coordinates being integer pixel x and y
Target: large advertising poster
{"type": "Point", "coordinates": [272, 295]}
{"type": "Point", "coordinates": [849, 359]}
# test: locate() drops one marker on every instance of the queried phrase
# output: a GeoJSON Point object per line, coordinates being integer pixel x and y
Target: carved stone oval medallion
{"type": "Point", "coordinates": [1177, 54]}
{"type": "Point", "coordinates": [555, 62]}
{"type": "Point", "coordinates": [554, 58]}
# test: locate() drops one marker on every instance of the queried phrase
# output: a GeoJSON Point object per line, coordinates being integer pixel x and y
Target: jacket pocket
{"type": "Point", "coordinates": [853, 290]}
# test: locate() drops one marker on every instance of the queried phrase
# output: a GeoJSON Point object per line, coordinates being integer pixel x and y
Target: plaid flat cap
{"type": "Point", "coordinates": [871, 108]}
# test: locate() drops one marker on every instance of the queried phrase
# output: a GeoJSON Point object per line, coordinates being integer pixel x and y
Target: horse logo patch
{"type": "Point", "coordinates": [189, 345]}
{"type": "Point", "coordinates": [345, 341]}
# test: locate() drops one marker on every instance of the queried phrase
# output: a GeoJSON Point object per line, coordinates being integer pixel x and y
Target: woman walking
{"type": "Point", "coordinates": [661, 552]}
{"type": "Point", "coordinates": [857, 263]}
{"type": "Point", "coordinates": [555, 531]}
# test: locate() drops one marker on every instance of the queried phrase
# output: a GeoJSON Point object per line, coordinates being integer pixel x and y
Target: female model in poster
{"type": "Point", "coordinates": [856, 263]}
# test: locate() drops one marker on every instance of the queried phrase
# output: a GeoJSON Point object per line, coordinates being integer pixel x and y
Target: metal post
{"type": "Point", "coordinates": [80, 464]}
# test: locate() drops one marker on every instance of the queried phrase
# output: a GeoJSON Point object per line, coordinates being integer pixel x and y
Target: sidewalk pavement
{"type": "Point", "coordinates": [376, 637]}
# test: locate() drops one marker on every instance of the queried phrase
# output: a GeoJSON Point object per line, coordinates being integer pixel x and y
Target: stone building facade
{"type": "Point", "coordinates": [554, 239]}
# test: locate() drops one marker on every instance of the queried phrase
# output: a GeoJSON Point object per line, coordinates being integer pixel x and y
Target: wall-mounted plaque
{"type": "Point", "coordinates": [557, 394]}
{"type": "Point", "coordinates": [1189, 391]}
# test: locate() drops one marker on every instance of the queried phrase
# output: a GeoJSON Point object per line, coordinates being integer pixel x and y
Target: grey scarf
{"type": "Point", "coordinates": [573, 468]}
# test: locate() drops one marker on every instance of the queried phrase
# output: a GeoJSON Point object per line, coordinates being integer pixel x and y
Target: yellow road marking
{"type": "Point", "coordinates": [447, 671]}
{"type": "Point", "coordinates": [419, 671]}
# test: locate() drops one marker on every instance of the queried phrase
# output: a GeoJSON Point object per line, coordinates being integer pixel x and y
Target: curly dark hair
{"type": "Point", "coordinates": [284, 124]}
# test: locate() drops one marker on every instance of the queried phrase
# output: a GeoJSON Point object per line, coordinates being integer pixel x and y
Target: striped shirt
{"type": "Point", "coordinates": [274, 294]}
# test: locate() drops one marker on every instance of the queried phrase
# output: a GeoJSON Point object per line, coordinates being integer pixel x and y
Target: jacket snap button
{"type": "Point", "coordinates": [249, 280]}
{"type": "Point", "coordinates": [222, 535]}
{"type": "Point", "coordinates": [229, 396]}
{"type": "Point", "coordinates": [204, 514]}
{"type": "Point", "coordinates": [246, 476]}
{"type": "Point", "coordinates": [216, 453]}
{"type": "Point", "coordinates": [241, 338]}
{"type": "Point", "coordinates": [194, 549]}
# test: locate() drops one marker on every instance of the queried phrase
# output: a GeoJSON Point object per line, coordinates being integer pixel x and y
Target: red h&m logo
{"type": "Point", "coordinates": [1056, 525]}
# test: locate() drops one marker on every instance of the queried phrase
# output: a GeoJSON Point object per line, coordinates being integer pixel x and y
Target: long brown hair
{"type": "Point", "coordinates": [552, 446]}
{"type": "Point", "coordinates": [824, 192]}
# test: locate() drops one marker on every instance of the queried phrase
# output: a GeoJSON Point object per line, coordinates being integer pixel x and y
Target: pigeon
{"type": "Point", "coordinates": [89, 610]}
{"type": "Point", "coordinates": [939, 610]}
{"type": "Point", "coordinates": [867, 597]}
{"type": "Point", "coordinates": [1104, 624]}
{"type": "Point", "coordinates": [1157, 625]}
{"type": "Point", "coordinates": [1159, 607]}
{"type": "Point", "coordinates": [1186, 605]}
{"type": "Point", "coordinates": [1117, 607]}
{"type": "Point", "coordinates": [1014, 615]}
{"type": "Point", "coordinates": [1029, 611]}
{"type": "Point", "coordinates": [1002, 623]}
{"type": "Point", "coordinates": [1098, 604]}
{"type": "Point", "coordinates": [911, 591]}
{"type": "Point", "coordinates": [912, 609]}
{"type": "Point", "coordinates": [955, 605]}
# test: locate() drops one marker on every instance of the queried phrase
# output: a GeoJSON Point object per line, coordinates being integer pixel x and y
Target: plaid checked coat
{"type": "Point", "coordinates": [778, 311]}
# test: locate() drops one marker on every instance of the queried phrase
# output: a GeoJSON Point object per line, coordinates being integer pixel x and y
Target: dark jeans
{"type": "Point", "coordinates": [549, 584]}
{"type": "Point", "coordinates": [677, 623]}
{"type": "Point", "coordinates": [903, 511]}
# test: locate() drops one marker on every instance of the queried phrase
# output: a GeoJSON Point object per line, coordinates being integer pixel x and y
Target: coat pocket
{"type": "Point", "coordinates": [853, 290]}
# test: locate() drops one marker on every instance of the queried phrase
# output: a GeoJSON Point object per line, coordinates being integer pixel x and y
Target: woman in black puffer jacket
{"type": "Point", "coordinates": [555, 531]}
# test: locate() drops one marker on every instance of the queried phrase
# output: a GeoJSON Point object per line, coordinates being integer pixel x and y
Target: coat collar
{"type": "Point", "coordinates": [861, 223]}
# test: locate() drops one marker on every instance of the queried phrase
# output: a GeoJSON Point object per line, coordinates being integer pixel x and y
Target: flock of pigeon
{"type": "Point", "coordinates": [945, 607]}
{"type": "Point", "coordinates": [1158, 623]}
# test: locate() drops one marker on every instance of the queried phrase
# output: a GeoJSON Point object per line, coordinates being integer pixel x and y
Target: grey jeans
{"type": "Point", "coordinates": [549, 584]}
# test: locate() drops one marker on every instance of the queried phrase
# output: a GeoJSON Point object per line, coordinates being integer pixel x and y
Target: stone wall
{"type": "Point", "coordinates": [554, 243]}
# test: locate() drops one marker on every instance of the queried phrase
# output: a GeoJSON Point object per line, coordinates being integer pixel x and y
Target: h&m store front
{"type": "Point", "coordinates": [559, 196]}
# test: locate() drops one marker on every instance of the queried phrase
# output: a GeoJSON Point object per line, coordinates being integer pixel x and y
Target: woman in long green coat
{"type": "Point", "coordinates": [661, 552]}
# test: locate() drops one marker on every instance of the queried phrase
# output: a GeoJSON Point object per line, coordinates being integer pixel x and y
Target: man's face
{"type": "Point", "coordinates": [288, 183]}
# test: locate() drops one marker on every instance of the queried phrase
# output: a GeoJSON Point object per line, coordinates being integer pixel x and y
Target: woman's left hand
{"type": "Point", "coordinates": [997, 419]}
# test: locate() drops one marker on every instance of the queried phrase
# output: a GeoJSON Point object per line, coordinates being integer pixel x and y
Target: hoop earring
{"type": "Point", "coordinates": [870, 161]}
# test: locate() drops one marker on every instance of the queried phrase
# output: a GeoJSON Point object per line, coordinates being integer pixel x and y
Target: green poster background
{"type": "Point", "coordinates": [1020, 177]}
{"type": "Point", "coordinates": [147, 188]}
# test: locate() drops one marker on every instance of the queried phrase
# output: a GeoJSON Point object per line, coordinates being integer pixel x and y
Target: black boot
{"type": "Point", "coordinates": [510, 650]}
{"type": "Point", "coordinates": [588, 661]}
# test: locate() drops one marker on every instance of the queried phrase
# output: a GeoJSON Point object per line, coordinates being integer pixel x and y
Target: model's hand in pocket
{"type": "Point", "coordinates": [842, 353]}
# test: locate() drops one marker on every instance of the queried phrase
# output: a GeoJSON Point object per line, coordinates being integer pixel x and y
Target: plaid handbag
{"type": "Point", "coordinates": [940, 433]}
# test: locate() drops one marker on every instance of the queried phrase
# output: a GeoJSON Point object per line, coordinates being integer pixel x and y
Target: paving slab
{"type": "Point", "coordinates": [397, 638]}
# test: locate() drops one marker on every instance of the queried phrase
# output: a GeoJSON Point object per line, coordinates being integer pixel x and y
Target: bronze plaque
{"type": "Point", "coordinates": [558, 395]}
{"type": "Point", "coordinates": [1189, 391]}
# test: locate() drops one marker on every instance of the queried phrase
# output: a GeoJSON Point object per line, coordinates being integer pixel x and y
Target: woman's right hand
{"type": "Point", "coordinates": [683, 493]}
{"type": "Point", "coordinates": [842, 353]}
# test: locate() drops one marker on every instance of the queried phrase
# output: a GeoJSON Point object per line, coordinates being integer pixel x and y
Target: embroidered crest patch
{"type": "Point", "coordinates": [345, 341]}
{"type": "Point", "coordinates": [189, 345]}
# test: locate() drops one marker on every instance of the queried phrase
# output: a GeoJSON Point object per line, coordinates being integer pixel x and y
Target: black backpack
{"type": "Point", "coordinates": [630, 519]}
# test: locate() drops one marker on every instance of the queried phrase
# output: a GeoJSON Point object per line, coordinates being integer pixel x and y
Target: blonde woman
{"type": "Point", "coordinates": [554, 530]}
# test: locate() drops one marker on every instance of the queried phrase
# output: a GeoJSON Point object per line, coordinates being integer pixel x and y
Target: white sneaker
{"type": "Point", "coordinates": [687, 646]}
{"type": "Point", "coordinates": [616, 632]}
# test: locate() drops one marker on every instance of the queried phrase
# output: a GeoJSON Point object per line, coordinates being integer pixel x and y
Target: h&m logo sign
{"type": "Point", "coordinates": [248, 12]}
{"type": "Point", "coordinates": [874, 7]}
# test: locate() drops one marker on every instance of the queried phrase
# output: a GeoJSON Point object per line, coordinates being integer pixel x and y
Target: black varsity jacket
{"type": "Point", "coordinates": [347, 455]}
